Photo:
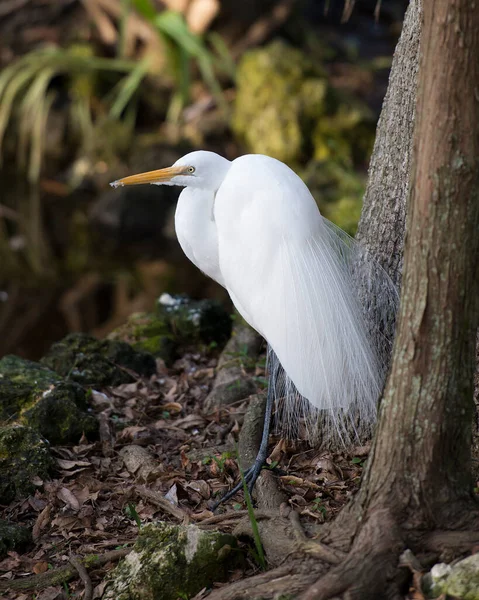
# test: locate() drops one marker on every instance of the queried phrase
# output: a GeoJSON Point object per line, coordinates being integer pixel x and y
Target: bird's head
{"type": "Point", "coordinates": [201, 169]}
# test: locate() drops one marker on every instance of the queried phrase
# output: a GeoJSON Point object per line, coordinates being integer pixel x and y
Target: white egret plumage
{"type": "Point", "coordinates": [253, 226]}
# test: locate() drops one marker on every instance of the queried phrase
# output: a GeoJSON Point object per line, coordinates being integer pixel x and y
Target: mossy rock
{"type": "Point", "coordinates": [192, 321]}
{"type": "Point", "coordinates": [82, 358]}
{"type": "Point", "coordinates": [22, 371]}
{"type": "Point", "coordinates": [170, 562]}
{"type": "Point", "coordinates": [24, 456]}
{"type": "Point", "coordinates": [177, 323]}
{"type": "Point", "coordinates": [460, 581]}
{"type": "Point", "coordinates": [59, 415]}
{"type": "Point", "coordinates": [280, 95]}
{"type": "Point", "coordinates": [147, 332]}
{"type": "Point", "coordinates": [36, 396]}
{"type": "Point", "coordinates": [13, 397]}
{"type": "Point", "coordinates": [13, 537]}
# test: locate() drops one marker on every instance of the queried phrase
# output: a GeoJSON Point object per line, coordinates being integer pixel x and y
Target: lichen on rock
{"type": "Point", "coordinates": [460, 581]}
{"type": "Point", "coordinates": [24, 456]}
{"type": "Point", "coordinates": [171, 561]}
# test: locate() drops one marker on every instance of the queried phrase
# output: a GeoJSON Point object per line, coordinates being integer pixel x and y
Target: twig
{"type": "Point", "coordinates": [63, 574]}
{"type": "Point", "coordinates": [82, 572]}
{"type": "Point", "coordinates": [232, 516]}
{"type": "Point", "coordinates": [162, 503]}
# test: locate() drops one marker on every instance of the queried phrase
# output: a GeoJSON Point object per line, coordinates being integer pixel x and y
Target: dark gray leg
{"type": "Point", "coordinates": [252, 474]}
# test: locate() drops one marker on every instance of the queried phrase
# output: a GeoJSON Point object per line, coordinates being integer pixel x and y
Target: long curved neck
{"type": "Point", "coordinates": [196, 230]}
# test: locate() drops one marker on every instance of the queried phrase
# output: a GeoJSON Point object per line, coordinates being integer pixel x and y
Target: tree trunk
{"type": "Point", "coordinates": [418, 476]}
{"type": "Point", "coordinates": [382, 225]}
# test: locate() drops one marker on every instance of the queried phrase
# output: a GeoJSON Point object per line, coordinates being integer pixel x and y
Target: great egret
{"type": "Point", "coordinates": [253, 226]}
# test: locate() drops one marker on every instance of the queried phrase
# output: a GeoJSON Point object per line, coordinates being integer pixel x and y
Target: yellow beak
{"type": "Point", "coordinates": [159, 176]}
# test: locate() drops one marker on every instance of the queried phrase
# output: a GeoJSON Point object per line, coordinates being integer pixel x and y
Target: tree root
{"type": "Point", "coordinates": [63, 574]}
{"type": "Point", "coordinates": [83, 574]}
{"type": "Point", "coordinates": [370, 568]}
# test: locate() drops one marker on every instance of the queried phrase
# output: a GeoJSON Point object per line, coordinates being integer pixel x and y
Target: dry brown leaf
{"type": "Point", "coordinates": [278, 451]}
{"type": "Point", "coordinates": [297, 481]}
{"type": "Point", "coordinates": [11, 562]}
{"type": "Point", "coordinates": [50, 593]}
{"type": "Point", "coordinates": [202, 516]}
{"type": "Point", "coordinates": [69, 498]}
{"type": "Point", "coordinates": [40, 567]}
{"type": "Point", "coordinates": [172, 407]}
{"type": "Point", "coordinates": [130, 433]}
{"type": "Point", "coordinates": [201, 487]}
{"type": "Point", "coordinates": [42, 521]}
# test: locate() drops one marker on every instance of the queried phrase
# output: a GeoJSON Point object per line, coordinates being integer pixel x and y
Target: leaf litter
{"type": "Point", "coordinates": [159, 456]}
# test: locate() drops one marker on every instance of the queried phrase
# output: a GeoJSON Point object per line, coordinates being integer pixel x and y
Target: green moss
{"type": "Point", "coordinates": [24, 456]}
{"type": "Point", "coordinates": [279, 94]}
{"type": "Point", "coordinates": [147, 332]}
{"type": "Point", "coordinates": [13, 537]}
{"type": "Point", "coordinates": [22, 371]}
{"type": "Point", "coordinates": [177, 323]}
{"type": "Point", "coordinates": [57, 415]}
{"type": "Point", "coordinates": [36, 396]}
{"type": "Point", "coordinates": [192, 321]}
{"type": "Point", "coordinates": [170, 562]}
{"type": "Point", "coordinates": [347, 136]}
{"type": "Point", "coordinates": [338, 191]}
{"type": "Point", "coordinates": [86, 360]}
{"type": "Point", "coordinates": [13, 397]}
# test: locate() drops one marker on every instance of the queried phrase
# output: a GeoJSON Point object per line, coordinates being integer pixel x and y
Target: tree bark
{"type": "Point", "coordinates": [382, 225]}
{"type": "Point", "coordinates": [423, 439]}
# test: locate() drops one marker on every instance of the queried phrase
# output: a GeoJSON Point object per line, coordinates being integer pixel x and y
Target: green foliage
{"type": "Point", "coordinates": [131, 513]}
{"type": "Point", "coordinates": [221, 461]}
{"type": "Point", "coordinates": [260, 558]}
{"type": "Point", "coordinates": [185, 48]}
{"type": "Point", "coordinates": [26, 95]}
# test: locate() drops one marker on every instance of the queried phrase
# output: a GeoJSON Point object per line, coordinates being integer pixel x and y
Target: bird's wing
{"type": "Point", "coordinates": [287, 278]}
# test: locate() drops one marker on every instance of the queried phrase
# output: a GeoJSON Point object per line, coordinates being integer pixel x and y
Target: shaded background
{"type": "Point", "coordinates": [93, 90]}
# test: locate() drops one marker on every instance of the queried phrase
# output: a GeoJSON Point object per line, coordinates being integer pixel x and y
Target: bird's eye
{"type": "Point", "coordinates": [191, 170]}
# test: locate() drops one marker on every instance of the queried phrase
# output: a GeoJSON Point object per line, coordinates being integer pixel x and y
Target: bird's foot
{"type": "Point", "coordinates": [250, 477]}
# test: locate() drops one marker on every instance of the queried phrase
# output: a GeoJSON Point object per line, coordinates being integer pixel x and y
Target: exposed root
{"type": "Point", "coordinates": [370, 570]}
{"type": "Point", "coordinates": [83, 574]}
{"type": "Point", "coordinates": [290, 578]}
{"type": "Point", "coordinates": [63, 574]}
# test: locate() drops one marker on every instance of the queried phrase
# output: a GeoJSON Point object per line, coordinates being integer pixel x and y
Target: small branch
{"type": "Point", "coordinates": [82, 572]}
{"type": "Point", "coordinates": [63, 574]}
{"type": "Point", "coordinates": [160, 502]}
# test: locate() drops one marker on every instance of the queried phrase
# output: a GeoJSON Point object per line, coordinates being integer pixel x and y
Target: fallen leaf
{"type": "Point", "coordinates": [201, 487]}
{"type": "Point", "coordinates": [40, 567]}
{"type": "Point", "coordinates": [68, 497]}
{"type": "Point", "coordinates": [172, 495]}
{"type": "Point", "coordinates": [41, 522]}
{"type": "Point", "coordinates": [70, 464]}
